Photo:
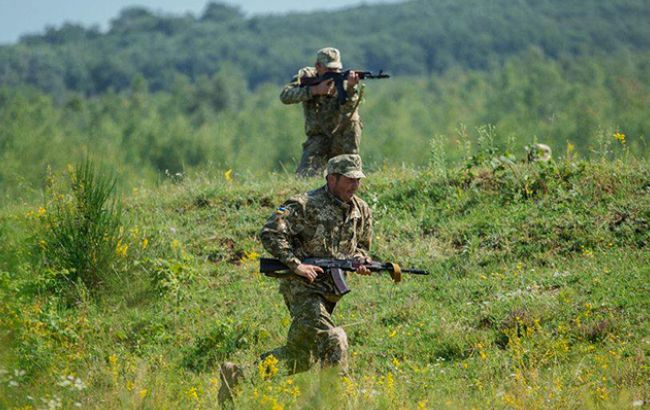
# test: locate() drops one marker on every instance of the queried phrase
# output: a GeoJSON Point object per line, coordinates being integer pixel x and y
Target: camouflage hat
{"type": "Point", "coordinates": [329, 57]}
{"type": "Point", "coordinates": [348, 165]}
{"type": "Point", "coordinates": [540, 153]}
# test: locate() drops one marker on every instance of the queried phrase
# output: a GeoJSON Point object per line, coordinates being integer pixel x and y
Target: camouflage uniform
{"type": "Point", "coordinates": [331, 129]}
{"type": "Point", "coordinates": [318, 225]}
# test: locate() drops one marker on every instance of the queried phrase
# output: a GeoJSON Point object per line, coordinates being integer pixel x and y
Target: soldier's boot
{"type": "Point", "coordinates": [231, 375]}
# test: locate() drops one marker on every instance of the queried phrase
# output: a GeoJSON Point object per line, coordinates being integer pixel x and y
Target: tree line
{"type": "Point", "coordinates": [419, 37]}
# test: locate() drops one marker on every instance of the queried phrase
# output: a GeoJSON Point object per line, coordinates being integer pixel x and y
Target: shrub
{"type": "Point", "coordinates": [83, 228]}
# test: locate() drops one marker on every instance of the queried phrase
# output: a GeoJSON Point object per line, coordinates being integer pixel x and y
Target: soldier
{"type": "Point", "coordinates": [332, 129]}
{"type": "Point", "coordinates": [329, 222]}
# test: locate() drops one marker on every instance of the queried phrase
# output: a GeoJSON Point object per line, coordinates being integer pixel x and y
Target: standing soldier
{"type": "Point", "coordinates": [332, 129]}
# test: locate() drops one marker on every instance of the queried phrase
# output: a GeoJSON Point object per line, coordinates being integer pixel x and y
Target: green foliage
{"type": "Point", "coordinates": [220, 341]}
{"type": "Point", "coordinates": [83, 228]}
{"type": "Point", "coordinates": [170, 275]}
{"type": "Point", "coordinates": [577, 111]}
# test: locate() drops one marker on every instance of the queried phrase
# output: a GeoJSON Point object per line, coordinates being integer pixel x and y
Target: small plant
{"type": "Point", "coordinates": [438, 161]}
{"type": "Point", "coordinates": [84, 227]}
{"type": "Point", "coordinates": [222, 340]}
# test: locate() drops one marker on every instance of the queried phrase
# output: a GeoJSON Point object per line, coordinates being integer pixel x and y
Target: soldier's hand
{"type": "Point", "coordinates": [323, 88]}
{"type": "Point", "coordinates": [353, 79]}
{"type": "Point", "coordinates": [363, 269]}
{"type": "Point", "coordinates": [308, 271]}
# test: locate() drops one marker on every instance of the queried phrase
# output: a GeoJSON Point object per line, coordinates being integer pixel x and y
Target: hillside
{"type": "Point", "coordinates": [412, 38]}
{"type": "Point", "coordinates": [538, 296]}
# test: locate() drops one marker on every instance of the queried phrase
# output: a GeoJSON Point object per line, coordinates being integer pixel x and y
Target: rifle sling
{"type": "Point", "coordinates": [395, 272]}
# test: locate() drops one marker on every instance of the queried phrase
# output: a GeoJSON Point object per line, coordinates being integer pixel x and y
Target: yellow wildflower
{"type": "Point", "coordinates": [250, 256]}
{"type": "Point", "coordinates": [112, 360]}
{"type": "Point", "coordinates": [620, 137]}
{"type": "Point", "coordinates": [228, 175]}
{"type": "Point", "coordinates": [192, 393]}
{"type": "Point", "coordinates": [570, 148]}
{"type": "Point", "coordinates": [121, 248]}
{"type": "Point", "coordinates": [350, 387]}
{"type": "Point", "coordinates": [268, 367]}
{"type": "Point", "coordinates": [389, 384]}
{"type": "Point", "coordinates": [509, 400]}
{"type": "Point", "coordinates": [145, 243]}
{"type": "Point", "coordinates": [143, 393]}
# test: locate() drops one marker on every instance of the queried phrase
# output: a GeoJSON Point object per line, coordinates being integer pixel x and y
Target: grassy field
{"type": "Point", "coordinates": [538, 298]}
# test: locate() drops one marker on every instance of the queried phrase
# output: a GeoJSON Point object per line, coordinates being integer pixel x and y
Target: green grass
{"type": "Point", "coordinates": [538, 296]}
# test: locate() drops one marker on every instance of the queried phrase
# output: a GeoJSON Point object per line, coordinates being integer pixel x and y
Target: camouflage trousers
{"type": "Point", "coordinates": [319, 148]}
{"type": "Point", "coordinates": [312, 335]}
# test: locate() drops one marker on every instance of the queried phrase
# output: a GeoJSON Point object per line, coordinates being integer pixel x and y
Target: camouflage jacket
{"type": "Point", "coordinates": [323, 115]}
{"type": "Point", "coordinates": [318, 225]}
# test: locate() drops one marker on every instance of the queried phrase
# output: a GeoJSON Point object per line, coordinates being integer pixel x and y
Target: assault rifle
{"type": "Point", "coordinates": [338, 78]}
{"type": "Point", "coordinates": [335, 267]}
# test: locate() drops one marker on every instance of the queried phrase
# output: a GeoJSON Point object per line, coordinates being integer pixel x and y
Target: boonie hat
{"type": "Point", "coordinates": [329, 57]}
{"type": "Point", "coordinates": [348, 165]}
{"type": "Point", "coordinates": [540, 153]}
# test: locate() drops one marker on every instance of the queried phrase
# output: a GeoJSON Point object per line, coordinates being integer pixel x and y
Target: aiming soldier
{"type": "Point", "coordinates": [333, 128]}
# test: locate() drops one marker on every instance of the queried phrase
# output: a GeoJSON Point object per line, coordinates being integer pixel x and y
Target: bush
{"type": "Point", "coordinates": [83, 228]}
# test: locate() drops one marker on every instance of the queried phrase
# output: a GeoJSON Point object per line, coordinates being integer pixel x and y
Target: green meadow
{"type": "Point", "coordinates": [138, 165]}
{"type": "Point", "coordinates": [538, 295]}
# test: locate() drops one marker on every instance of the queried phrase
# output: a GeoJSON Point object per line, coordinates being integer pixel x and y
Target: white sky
{"type": "Point", "coordinates": [18, 17]}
